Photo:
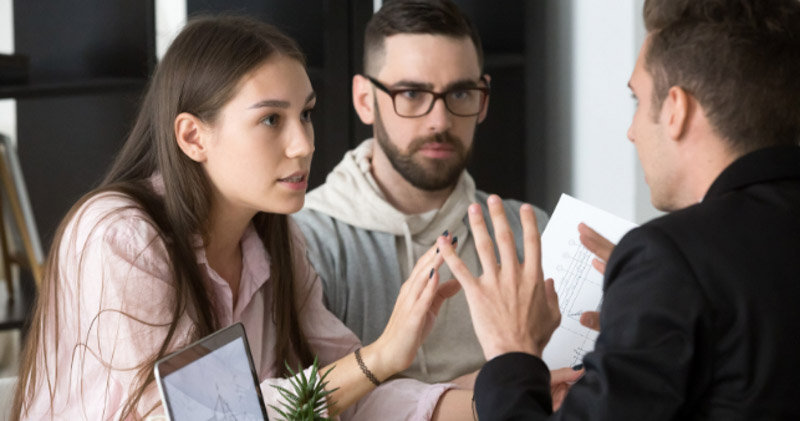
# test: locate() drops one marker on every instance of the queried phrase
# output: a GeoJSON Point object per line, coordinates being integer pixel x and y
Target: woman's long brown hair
{"type": "Point", "coordinates": [199, 74]}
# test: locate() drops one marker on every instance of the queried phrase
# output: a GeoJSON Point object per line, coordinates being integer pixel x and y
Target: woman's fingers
{"type": "Point", "coordinates": [443, 292]}
{"type": "Point", "coordinates": [456, 265]}
{"type": "Point", "coordinates": [426, 266]}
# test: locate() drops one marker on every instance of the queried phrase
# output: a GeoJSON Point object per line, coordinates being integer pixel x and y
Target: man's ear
{"type": "Point", "coordinates": [363, 99]}
{"type": "Point", "coordinates": [192, 136]}
{"type": "Point", "coordinates": [677, 106]}
{"type": "Point", "coordinates": [485, 110]}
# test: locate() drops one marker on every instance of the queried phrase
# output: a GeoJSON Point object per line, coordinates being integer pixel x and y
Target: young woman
{"type": "Point", "coordinates": [188, 233]}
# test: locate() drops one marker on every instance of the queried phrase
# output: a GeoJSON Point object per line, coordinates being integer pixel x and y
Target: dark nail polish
{"type": "Point", "coordinates": [577, 367]}
{"type": "Point", "coordinates": [431, 275]}
{"type": "Point", "coordinates": [444, 234]}
{"type": "Point", "coordinates": [455, 240]}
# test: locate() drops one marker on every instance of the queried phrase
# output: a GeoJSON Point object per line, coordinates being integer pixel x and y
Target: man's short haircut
{"type": "Point", "coordinates": [434, 17]}
{"type": "Point", "coordinates": [739, 58]}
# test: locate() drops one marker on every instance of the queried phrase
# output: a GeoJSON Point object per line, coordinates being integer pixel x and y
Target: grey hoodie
{"type": "Point", "coordinates": [364, 249]}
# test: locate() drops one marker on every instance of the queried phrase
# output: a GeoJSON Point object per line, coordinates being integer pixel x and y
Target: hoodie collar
{"type": "Point", "coordinates": [352, 195]}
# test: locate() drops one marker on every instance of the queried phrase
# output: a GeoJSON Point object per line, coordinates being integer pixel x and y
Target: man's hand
{"type": "Point", "coordinates": [513, 308]}
{"type": "Point", "coordinates": [591, 319]}
{"type": "Point", "coordinates": [602, 248]}
{"type": "Point", "coordinates": [597, 245]}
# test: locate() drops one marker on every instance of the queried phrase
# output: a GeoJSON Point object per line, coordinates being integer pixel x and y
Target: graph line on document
{"type": "Point", "coordinates": [578, 284]}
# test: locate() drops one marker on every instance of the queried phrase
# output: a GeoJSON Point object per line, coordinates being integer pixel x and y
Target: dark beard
{"type": "Point", "coordinates": [422, 176]}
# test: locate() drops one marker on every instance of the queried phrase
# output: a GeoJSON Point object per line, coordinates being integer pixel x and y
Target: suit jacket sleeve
{"type": "Point", "coordinates": [513, 386]}
{"type": "Point", "coordinates": [652, 318]}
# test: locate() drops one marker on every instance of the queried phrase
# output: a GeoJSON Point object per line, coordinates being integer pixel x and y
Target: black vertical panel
{"type": "Point", "coordinates": [335, 125]}
{"type": "Point", "coordinates": [303, 20]}
{"type": "Point", "coordinates": [69, 40]}
{"type": "Point", "coordinates": [499, 159]}
{"type": "Point", "coordinates": [66, 143]}
{"type": "Point", "coordinates": [362, 12]}
{"type": "Point", "coordinates": [65, 146]}
{"type": "Point", "coordinates": [536, 107]}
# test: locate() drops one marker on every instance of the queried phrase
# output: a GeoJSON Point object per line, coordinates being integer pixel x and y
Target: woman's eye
{"type": "Point", "coordinates": [306, 115]}
{"type": "Point", "coordinates": [271, 120]}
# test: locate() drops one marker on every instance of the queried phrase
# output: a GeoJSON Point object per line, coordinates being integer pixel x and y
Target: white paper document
{"type": "Point", "coordinates": [578, 284]}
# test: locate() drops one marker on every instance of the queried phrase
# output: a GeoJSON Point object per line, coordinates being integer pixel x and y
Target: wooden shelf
{"type": "Point", "coordinates": [83, 87]}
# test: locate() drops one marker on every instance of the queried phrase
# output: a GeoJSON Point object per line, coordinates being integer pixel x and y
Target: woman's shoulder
{"type": "Point", "coordinates": [111, 212]}
{"type": "Point", "coordinates": [111, 220]}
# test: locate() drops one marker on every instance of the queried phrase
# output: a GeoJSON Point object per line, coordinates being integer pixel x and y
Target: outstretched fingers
{"type": "Point", "coordinates": [502, 232]}
{"type": "Point", "coordinates": [532, 242]}
{"type": "Point", "coordinates": [483, 242]}
{"type": "Point", "coordinates": [595, 243]}
{"type": "Point", "coordinates": [456, 265]}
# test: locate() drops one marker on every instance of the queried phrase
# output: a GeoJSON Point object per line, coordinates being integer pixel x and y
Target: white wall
{"type": "Point", "coordinates": [593, 49]}
{"type": "Point", "coordinates": [170, 18]}
{"type": "Point", "coordinates": [8, 107]}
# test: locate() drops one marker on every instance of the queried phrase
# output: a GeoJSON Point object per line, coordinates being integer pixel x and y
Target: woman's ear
{"type": "Point", "coordinates": [190, 133]}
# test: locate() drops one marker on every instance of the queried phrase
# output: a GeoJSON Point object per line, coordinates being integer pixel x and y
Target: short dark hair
{"type": "Point", "coordinates": [739, 58]}
{"type": "Point", "coordinates": [434, 17]}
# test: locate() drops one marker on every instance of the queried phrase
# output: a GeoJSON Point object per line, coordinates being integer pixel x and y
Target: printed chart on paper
{"type": "Point", "coordinates": [578, 284]}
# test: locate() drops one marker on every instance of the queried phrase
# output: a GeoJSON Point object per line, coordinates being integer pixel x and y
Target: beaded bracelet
{"type": "Point", "coordinates": [365, 370]}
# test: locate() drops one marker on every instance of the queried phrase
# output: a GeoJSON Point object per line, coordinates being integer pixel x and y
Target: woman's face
{"type": "Point", "coordinates": [260, 146]}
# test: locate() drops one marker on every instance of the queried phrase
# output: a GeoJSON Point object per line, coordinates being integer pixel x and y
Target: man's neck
{"type": "Point", "coordinates": [400, 193]}
{"type": "Point", "coordinates": [707, 165]}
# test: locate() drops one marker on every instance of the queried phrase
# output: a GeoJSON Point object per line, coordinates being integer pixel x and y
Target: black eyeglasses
{"type": "Point", "coordinates": [417, 102]}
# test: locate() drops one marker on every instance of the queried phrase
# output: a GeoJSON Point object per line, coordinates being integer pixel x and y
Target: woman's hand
{"type": "Point", "coordinates": [415, 310]}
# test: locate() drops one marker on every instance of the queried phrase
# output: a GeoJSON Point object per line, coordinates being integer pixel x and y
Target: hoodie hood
{"type": "Point", "coordinates": [352, 195]}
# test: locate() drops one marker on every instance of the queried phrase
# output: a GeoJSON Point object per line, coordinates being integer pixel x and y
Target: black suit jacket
{"type": "Point", "coordinates": [700, 318]}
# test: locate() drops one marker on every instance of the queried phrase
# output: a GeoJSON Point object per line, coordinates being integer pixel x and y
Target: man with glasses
{"type": "Point", "coordinates": [385, 204]}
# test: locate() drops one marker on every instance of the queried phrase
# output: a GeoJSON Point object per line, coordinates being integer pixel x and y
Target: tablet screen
{"type": "Point", "coordinates": [215, 384]}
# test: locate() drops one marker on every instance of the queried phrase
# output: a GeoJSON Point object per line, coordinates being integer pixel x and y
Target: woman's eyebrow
{"type": "Point", "coordinates": [278, 103]}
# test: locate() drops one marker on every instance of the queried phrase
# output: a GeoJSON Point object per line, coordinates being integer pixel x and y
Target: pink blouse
{"type": "Point", "coordinates": [114, 308]}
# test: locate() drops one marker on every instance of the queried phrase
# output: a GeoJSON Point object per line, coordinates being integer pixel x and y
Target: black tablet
{"type": "Point", "coordinates": [212, 379]}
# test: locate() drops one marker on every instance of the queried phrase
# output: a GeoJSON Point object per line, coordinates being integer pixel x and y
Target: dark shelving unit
{"type": "Point", "coordinates": [82, 87]}
{"type": "Point", "coordinates": [88, 66]}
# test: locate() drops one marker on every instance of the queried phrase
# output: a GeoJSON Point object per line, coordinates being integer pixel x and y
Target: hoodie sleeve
{"type": "Point", "coordinates": [322, 249]}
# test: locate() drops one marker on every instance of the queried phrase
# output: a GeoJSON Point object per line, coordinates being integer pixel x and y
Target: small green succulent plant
{"type": "Point", "coordinates": [307, 401]}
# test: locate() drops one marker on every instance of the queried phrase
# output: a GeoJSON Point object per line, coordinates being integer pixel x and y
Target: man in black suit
{"type": "Point", "coordinates": [701, 307]}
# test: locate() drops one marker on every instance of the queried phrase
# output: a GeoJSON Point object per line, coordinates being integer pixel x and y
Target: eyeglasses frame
{"type": "Point", "coordinates": [436, 95]}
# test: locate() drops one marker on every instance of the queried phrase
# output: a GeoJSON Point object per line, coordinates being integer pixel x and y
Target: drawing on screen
{"type": "Point", "coordinates": [232, 396]}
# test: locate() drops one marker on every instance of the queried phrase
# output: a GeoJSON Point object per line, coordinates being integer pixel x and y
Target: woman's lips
{"type": "Point", "coordinates": [297, 181]}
